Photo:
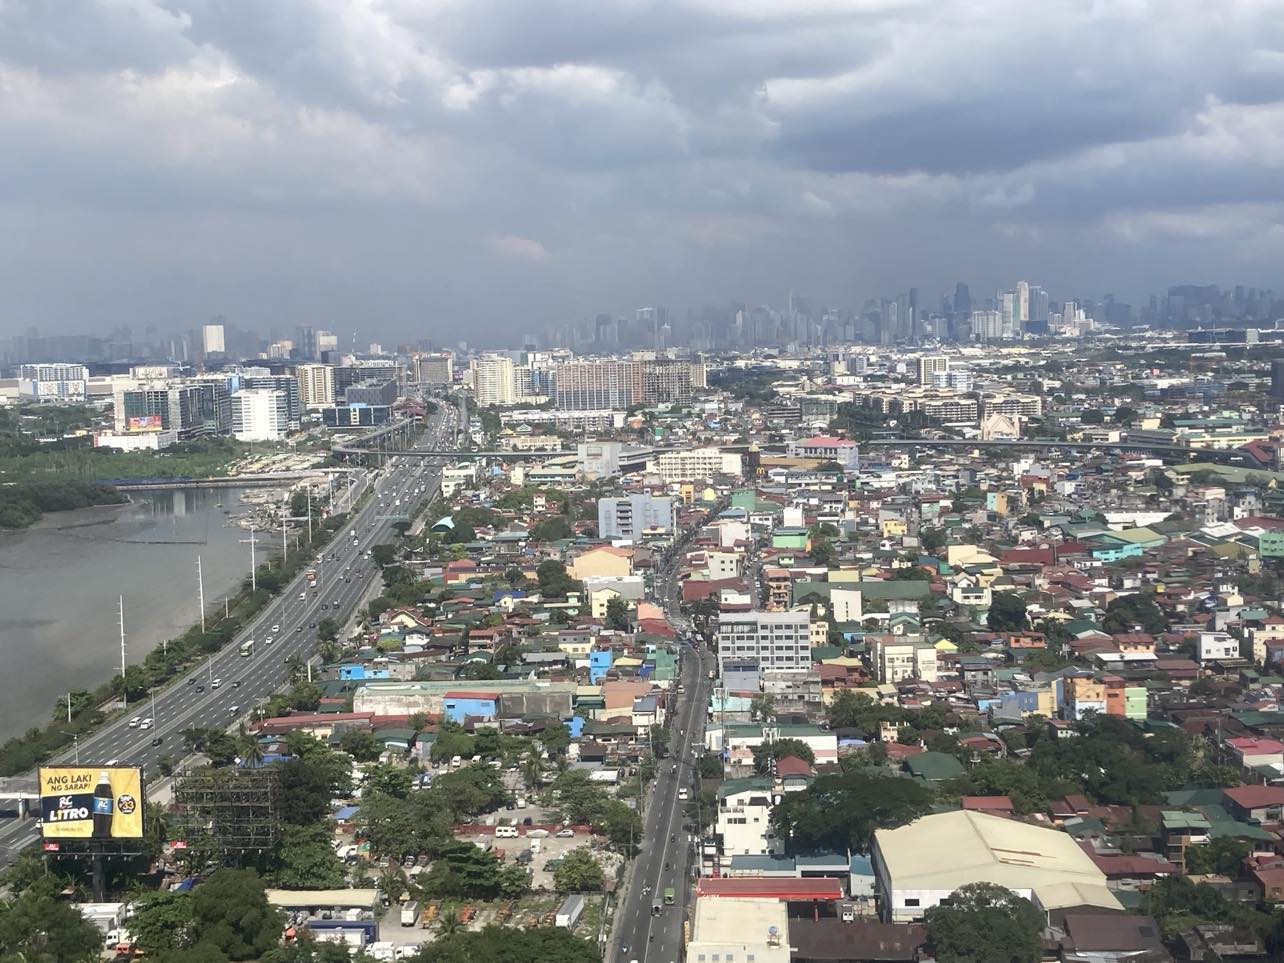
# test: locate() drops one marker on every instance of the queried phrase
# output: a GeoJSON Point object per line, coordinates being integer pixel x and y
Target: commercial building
{"type": "Point", "coordinates": [601, 419]}
{"type": "Point", "coordinates": [260, 378]}
{"type": "Point", "coordinates": [260, 414]}
{"type": "Point", "coordinates": [316, 385]}
{"type": "Point", "coordinates": [622, 384]}
{"type": "Point", "coordinates": [373, 392]}
{"type": "Point", "coordinates": [213, 338]}
{"type": "Point", "coordinates": [744, 818]}
{"type": "Point", "coordinates": [750, 930]}
{"type": "Point", "coordinates": [774, 640]}
{"type": "Point", "coordinates": [694, 464]}
{"type": "Point", "coordinates": [929, 366]}
{"type": "Point", "coordinates": [190, 408]}
{"type": "Point", "coordinates": [434, 369]}
{"type": "Point", "coordinates": [632, 516]}
{"type": "Point", "coordinates": [895, 660]}
{"type": "Point", "coordinates": [53, 382]}
{"type": "Point", "coordinates": [920, 865]}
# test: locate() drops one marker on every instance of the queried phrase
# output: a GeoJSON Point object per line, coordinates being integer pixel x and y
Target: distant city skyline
{"type": "Point", "coordinates": [415, 171]}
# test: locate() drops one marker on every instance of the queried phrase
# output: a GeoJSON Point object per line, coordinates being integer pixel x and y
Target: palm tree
{"type": "Point", "coordinates": [329, 651]}
{"type": "Point", "coordinates": [532, 769]}
{"type": "Point", "coordinates": [294, 664]}
{"type": "Point", "coordinates": [450, 924]}
{"type": "Point", "coordinates": [248, 748]}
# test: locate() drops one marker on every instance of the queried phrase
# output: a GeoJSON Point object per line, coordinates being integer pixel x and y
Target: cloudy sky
{"type": "Point", "coordinates": [475, 168]}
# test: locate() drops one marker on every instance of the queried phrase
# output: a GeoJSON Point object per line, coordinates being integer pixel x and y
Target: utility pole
{"type": "Point", "coordinates": [124, 695]}
{"type": "Point", "coordinates": [285, 517]}
{"type": "Point", "coordinates": [309, 486]}
{"type": "Point", "coordinates": [254, 579]}
{"type": "Point", "coordinates": [68, 708]}
{"type": "Point", "coordinates": [200, 591]}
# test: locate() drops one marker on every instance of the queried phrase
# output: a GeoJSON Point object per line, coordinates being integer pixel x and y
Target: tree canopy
{"type": "Point", "coordinates": [985, 923]}
{"type": "Point", "coordinates": [841, 812]}
{"type": "Point", "coordinates": [1007, 613]}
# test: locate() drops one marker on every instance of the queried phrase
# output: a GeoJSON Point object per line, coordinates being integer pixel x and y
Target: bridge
{"type": "Point", "coordinates": [226, 481]}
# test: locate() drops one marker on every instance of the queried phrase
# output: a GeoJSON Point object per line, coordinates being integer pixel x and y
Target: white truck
{"type": "Point", "coordinates": [409, 913]}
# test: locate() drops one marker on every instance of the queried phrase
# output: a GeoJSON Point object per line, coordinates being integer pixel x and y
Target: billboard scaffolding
{"type": "Point", "coordinates": [226, 812]}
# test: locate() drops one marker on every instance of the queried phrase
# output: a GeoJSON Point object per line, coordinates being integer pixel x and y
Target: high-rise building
{"type": "Point", "coordinates": [260, 414]}
{"type": "Point", "coordinates": [260, 378]}
{"type": "Point", "coordinates": [53, 382]}
{"type": "Point", "coordinates": [435, 369]}
{"type": "Point", "coordinates": [327, 343]}
{"type": "Point", "coordinates": [584, 385]}
{"type": "Point", "coordinates": [1023, 303]}
{"type": "Point", "coordinates": [316, 385]}
{"type": "Point", "coordinates": [213, 339]}
{"type": "Point", "coordinates": [493, 380]}
{"type": "Point", "coordinates": [191, 408]}
{"type": "Point", "coordinates": [962, 299]}
{"type": "Point", "coordinates": [632, 516]}
{"type": "Point", "coordinates": [929, 365]}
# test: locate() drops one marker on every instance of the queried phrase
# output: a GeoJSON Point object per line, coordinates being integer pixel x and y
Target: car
{"type": "Point", "coordinates": [269, 640]}
{"type": "Point", "coordinates": [347, 581]}
{"type": "Point", "coordinates": [298, 628]}
{"type": "Point", "coordinates": [157, 741]}
{"type": "Point", "coordinates": [190, 681]}
{"type": "Point", "coordinates": [133, 723]}
{"type": "Point", "coordinates": [236, 684]}
{"type": "Point", "coordinates": [276, 628]}
{"type": "Point", "coordinates": [146, 723]}
{"type": "Point", "coordinates": [361, 575]}
{"type": "Point", "coordinates": [312, 625]}
{"type": "Point", "coordinates": [216, 683]}
{"type": "Point", "coordinates": [200, 688]}
{"type": "Point", "coordinates": [234, 709]}
{"type": "Point", "coordinates": [565, 833]}
{"type": "Point", "coordinates": [322, 606]}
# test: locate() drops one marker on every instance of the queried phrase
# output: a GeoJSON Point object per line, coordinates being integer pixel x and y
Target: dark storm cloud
{"type": "Point", "coordinates": [505, 164]}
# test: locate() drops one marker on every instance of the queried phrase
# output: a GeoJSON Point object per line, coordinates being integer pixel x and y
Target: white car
{"type": "Point", "coordinates": [146, 723]}
{"type": "Point", "coordinates": [216, 683]}
{"type": "Point", "coordinates": [234, 709]}
{"type": "Point", "coordinates": [565, 833]}
{"type": "Point", "coordinates": [269, 640]}
{"type": "Point", "coordinates": [276, 628]}
{"type": "Point", "coordinates": [133, 723]}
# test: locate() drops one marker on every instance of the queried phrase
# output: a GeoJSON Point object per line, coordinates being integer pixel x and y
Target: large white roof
{"type": "Point", "coordinates": [949, 850]}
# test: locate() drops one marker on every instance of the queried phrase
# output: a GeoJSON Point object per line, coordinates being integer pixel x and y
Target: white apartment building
{"type": "Point", "coordinates": [695, 464]}
{"type": "Point", "coordinates": [493, 380]}
{"type": "Point", "coordinates": [260, 414]}
{"type": "Point", "coordinates": [53, 382]}
{"type": "Point", "coordinates": [630, 516]}
{"type": "Point", "coordinates": [897, 660]}
{"type": "Point", "coordinates": [744, 818]}
{"type": "Point", "coordinates": [775, 640]}
{"type": "Point", "coordinates": [213, 338]}
{"type": "Point", "coordinates": [316, 385]}
{"type": "Point", "coordinates": [1215, 646]}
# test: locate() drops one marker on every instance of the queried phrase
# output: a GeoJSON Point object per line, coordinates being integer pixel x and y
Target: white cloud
{"type": "Point", "coordinates": [520, 248]}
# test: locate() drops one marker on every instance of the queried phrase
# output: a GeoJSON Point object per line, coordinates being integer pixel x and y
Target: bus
{"type": "Point", "coordinates": [668, 896]}
{"type": "Point", "coordinates": [247, 649]}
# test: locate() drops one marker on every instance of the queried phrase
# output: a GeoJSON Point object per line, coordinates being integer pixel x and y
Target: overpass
{"type": "Point", "coordinates": [1229, 456]}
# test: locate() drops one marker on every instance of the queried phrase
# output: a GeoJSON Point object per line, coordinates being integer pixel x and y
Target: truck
{"type": "Point", "coordinates": [430, 914]}
{"type": "Point", "coordinates": [311, 576]}
{"type": "Point", "coordinates": [247, 649]}
{"type": "Point", "coordinates": [669, 896]}
{"type": "Point", "coordinates": [409, 913]}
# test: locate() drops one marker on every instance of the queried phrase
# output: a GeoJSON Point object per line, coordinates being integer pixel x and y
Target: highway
{"type": "Point", "coordinates": [668, 856]}
{"type": "Point", "coordinates": [227, 687]}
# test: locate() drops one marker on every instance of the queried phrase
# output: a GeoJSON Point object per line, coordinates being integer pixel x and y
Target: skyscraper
{"type": "Point", "coordinates": [929, 365]}
{"type": "Point", "coordinates": [213, 339]}
{"type": "Point", "coordinates": [493, 380]}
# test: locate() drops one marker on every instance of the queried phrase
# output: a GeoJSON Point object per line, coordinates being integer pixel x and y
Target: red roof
{"type": "Point", "coordinates": [983, 803]}
{"type": "Point", "coordinates": [469, 694]}
{"type": "Point", "coordinates": [1254, 797]}
{"type": "Point", "coordinates": [792, 766]}
{"type": "Point", "coordinates": [767, 887]}
{"type": "Point", "coordinates": [1253, 747]}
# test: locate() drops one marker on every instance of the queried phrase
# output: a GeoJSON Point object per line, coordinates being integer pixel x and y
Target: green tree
{"type": "Point", "coordinates": [230, 911]}
{"type": "Point", "coordinates": [767, 754]}
{"type": "Point", "coordinates": [578, 872]}
{"type": "Point", "coordinates": [556, 737]}
{"type": "Point", "coordinates": [839, 812]}
{"type": "Point", "coordinates": [304, 859]}
{"type": "Point", "coordinates": [361, 745]}
{"type": "Point", "coordinates": [552, 529]}
{"type": "Point", "coordinates": [617, 615]}
{"type": "Point", "coordinates": [933, 539]}
{"type": "Point", "coordinates": [162, 921]}
{"type": "Point", "coordinates": [1130, 613]}
{"type": "Point", "coordinates": [384, 554]}
{"type": "Point", "coordinates": [1007, 613]}
{"type": "Point", "coordinates": [327, 629]}
{"type": "Point", "coordinates": [554, 581]}
{"type": "Point", "coordinates": [1222, 855]}
{"type": "Point", "coordinates": [985, 923]}
{"type": "Point", "coordinates": [40, 927]}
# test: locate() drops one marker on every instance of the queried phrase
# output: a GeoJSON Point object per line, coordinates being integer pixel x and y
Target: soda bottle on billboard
{"type": "Point", "coordinates": [104, 805]}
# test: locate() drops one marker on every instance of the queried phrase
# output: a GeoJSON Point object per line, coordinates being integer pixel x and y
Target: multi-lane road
{"type": "Point", "coordinates": [668, 852]}
{"type": "Point", "coordinates": [224, 689]}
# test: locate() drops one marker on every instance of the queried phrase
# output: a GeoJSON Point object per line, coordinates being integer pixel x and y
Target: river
{"type": "Point", "coordinates": [60, 581]}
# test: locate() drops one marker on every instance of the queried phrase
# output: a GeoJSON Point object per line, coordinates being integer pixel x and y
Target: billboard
{"type": "Point", "coordinates": [144, 423]}
{"type": "Point", "coordinates": [91, 802]}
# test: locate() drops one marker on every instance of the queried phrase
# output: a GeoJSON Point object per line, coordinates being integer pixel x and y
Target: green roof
{"type": "Point", "coordinates": [896, 589]}
{"type": "Point", "coordinates": [934, 766]}
{"type": "Point", "coordinates": [731, 787]}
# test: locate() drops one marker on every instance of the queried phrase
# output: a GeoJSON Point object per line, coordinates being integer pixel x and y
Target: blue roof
{"type": "Point", "coordinates": [862, 865]}
{"type": "Point", "coordinates": [346, 813]}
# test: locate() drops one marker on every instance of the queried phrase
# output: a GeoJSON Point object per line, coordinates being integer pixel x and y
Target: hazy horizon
{"type": "Point", "coordinates": [475, 170]}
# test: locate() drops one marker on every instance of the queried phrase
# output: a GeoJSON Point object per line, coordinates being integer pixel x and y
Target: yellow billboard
{"type": "Point", "coordinates": [91, 802]}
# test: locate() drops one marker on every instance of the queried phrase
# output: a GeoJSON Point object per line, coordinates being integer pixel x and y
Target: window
{"type": "Point", "coordinates": [911, 902]}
